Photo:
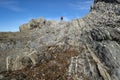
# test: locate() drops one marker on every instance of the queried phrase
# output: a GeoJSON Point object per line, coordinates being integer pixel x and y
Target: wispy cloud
{"type": "Point", "coordinates": [81, 5]}
{"type": "Point", "coordinates": [10, 4]}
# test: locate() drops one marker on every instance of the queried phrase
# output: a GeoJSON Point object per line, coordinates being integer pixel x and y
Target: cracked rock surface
{"type": "Point", "coordinates": [82, 49]}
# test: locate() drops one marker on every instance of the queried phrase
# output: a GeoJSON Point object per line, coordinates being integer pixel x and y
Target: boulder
{"type": "Point", "coordinates": [33, 24]}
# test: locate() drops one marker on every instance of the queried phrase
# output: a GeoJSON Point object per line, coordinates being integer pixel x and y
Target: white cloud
{"type": "Point", "coordinates": [85, 5]}
{"type": "Point", "coordinates": [11, 5]}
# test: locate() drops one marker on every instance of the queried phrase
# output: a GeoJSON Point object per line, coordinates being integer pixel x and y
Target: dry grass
{"type": "Point", "coordinates": [53, 69]}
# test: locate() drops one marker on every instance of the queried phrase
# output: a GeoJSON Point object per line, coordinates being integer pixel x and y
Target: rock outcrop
{"type": "Point", "coordinates": [83, 49]}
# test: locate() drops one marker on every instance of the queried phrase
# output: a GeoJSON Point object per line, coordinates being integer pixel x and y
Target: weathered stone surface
{"type": "Point", "coordinates": [83, 49]}
{"type": "Point", "coordinates": [1, 77]}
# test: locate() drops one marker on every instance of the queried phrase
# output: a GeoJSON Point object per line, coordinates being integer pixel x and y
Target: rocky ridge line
{"type": "Point", "coordinates": [83, 49]}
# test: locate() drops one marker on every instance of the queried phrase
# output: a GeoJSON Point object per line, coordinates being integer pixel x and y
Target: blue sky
{"type": "Point", "coordinates": [13, 13]}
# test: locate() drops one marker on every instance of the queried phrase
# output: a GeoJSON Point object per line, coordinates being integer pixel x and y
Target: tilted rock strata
{"type": "Point", "coordinates": [83, 49]}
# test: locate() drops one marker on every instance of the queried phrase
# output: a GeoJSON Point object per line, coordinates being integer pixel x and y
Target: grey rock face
{"type": "Point", "coordinates": [102, 37]}
{"type": "Point", "coordinates": [95, 38]}
{"type": "Point", "coordinates": [107, 1]}
{"type": "Point", "coordinates": [101, 33]}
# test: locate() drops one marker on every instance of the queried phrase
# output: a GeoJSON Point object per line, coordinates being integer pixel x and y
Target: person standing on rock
{"type": "Point", "coordinates": [44, 22]}
{"type": "Point", "coordinates": [61, 18]}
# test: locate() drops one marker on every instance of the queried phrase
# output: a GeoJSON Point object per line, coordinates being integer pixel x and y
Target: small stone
{"type": "Point", "coordinates": [13, 79]}
{"type": "Point", "coordinates": [1, 76]}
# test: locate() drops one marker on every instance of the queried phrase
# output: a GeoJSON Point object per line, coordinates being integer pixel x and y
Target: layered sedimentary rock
{"type": "Point", "coordinates": [83, 49]}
